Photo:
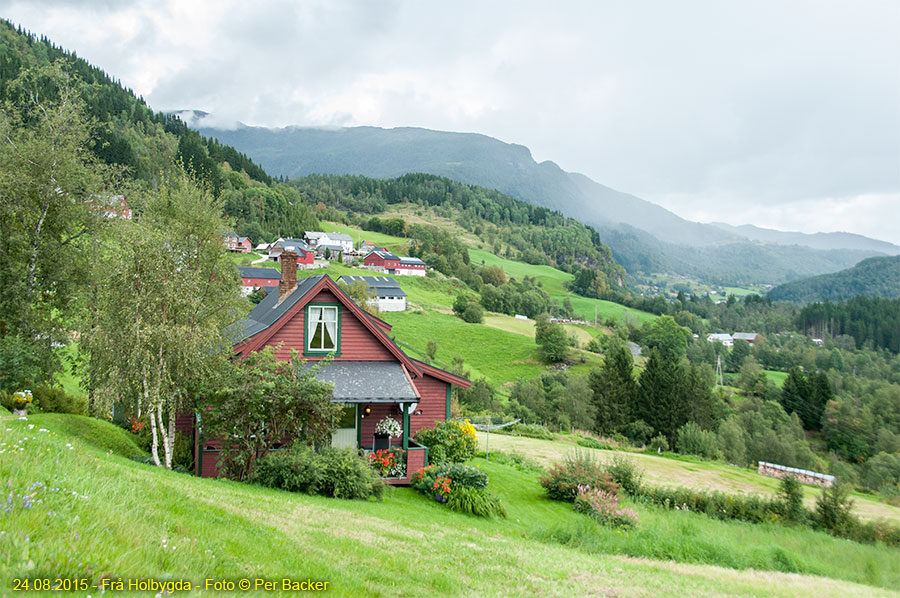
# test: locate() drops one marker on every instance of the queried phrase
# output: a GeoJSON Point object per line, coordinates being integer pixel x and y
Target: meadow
{"type": "Point", "coordinates": [80, 507]}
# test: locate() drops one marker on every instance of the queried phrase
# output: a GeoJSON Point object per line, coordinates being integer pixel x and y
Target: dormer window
{"type": "Point", "coordinates": [323, 329]}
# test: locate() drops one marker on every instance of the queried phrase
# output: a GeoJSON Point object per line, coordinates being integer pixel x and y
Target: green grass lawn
{"type": "Point", "coordinates": [95, 513]}
{"type": "Point", "coordinates": [552, 281]}
{"type": "Point", "coordinates": [360, 235]}
{"type": "Point", "coordinates": [777, 377]}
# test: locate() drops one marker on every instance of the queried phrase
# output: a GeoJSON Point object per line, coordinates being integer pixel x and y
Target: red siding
{"type": "Point", "coordinates": [260, 282]}
{"type": "Point", "coordinates": [379, 411]}
{"type": "Point", "coordinates": [433, 404]}
{"type": "Point", "coordinates": [357, 342]}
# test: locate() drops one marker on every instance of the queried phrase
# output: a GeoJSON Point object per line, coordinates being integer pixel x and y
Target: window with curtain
{"type": "Point", "coordinates": [323, 328]}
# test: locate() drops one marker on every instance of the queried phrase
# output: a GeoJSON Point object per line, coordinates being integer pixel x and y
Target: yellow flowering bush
{"type": "Point", "coordinates": [449, 441]}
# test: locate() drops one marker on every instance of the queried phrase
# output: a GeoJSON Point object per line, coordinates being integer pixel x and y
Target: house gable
{"type": "Point", "coordinates": [360, 337]}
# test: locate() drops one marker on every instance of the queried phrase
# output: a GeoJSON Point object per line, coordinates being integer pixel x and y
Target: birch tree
{"type": "Point", "coordinates": [171, 291]}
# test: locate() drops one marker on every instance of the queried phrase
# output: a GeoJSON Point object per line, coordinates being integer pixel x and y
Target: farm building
{"type": "Point", "coordinates": [255, 278]}
{"type": "Point", "coordinates": [410, 266]}
{"type": "Point", "coordinates": [373, 378]}
{"type": "Point", "coordinates": [315, 239]}
{"type": "Point", "coordinates": [305, 255]}
{"type": "Point", "coordinates": [723, 338]}
{"type": "Point", "coordinates": [750, 337]}
{"type": "Point", "coordinates": [238, 244]}
{"type": "Point", "coordinates": [388, 294]}
{"type": "Point", "coordinates": [382, 260]}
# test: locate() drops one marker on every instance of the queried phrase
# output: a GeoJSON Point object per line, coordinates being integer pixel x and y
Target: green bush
{"type": "Point", "coordinates": [528, 431]}
{"type": "Point", "coordinates": [340, 473]}
{"type": "Point", "coordinates": [691, 439]}
{"type": "Point", "coordinates": [659, 444]}
{"type": "Point", "coordinates": [639, 432]}
{"type": "Point", "coordinates": [460, 475]}
{"type": "Point", "coordinates": [626, 474]}
{"type": "Point", "coordinates": [579, 469]}
{"type": "Point", "coordinates": [56, 400]}
{"type": "Point", "coordinates": [449, 441]}
{"type": "Point", "coordinates": [593, 443]}
{"type": "Point", "coordinates": [475, 501]}
{"type": "Point", "coordinates": [473, 314]}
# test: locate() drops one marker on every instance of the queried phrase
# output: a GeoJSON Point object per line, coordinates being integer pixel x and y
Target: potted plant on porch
{"type": "Point", "coordinates": [386, 429]}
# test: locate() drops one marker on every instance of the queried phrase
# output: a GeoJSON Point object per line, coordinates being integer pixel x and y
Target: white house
{"type": "Point", "coordinates": [750, 337]}
{"type": "Point", "coordinates": [410, 266]}
{"type": "Point", "coordinates": [317, 238]}
{"type": "Point", "coordinates": [389, 295]}
{"type": "Point", "coordinates": [723, 338]}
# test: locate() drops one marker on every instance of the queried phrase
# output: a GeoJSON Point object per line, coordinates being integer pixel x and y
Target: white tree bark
{"type": "Point", "coordinates": [154, 448]}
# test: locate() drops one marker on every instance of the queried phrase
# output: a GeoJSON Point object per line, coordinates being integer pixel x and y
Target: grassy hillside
{"type": "Point", "coordinates": [685, 471]}
{"type": "Point", "coordinates": [874, 277]}
{"type": "Point", "coordinates": [95, 513]}
{"type": "Point", "coordinates": [552, 283]}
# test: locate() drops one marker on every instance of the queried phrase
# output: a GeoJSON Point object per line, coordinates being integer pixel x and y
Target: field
{"type": "Point", "coordinates": [688, 472]}
{"type": "Point", "coordinates": [91, 512]}
{"type": "Point", "coordinates": [777, 377]}
{"type": "Point", "coordinates": [552, 281]}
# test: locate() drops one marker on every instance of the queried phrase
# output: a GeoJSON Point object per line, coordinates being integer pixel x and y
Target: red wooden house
{"type": "Point", "coordinates": [305, 255]}
{"type": "Point", "coordinates": [382, 259]}
{"type": "Point", "coordinates": [238, 244]}
{"type": "Point", "coordinates": [372, 376]}
{"type": "Point", "coordinates": [253, 277]}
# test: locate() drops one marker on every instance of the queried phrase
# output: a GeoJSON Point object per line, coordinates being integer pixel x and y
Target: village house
{"type": "Point", "coordinates": [113, 206]}
{"type": "Point", "coordinates": [382, 260]}
{"type": "Point", "coordinates": [388, 294]}
{"type": "Point", "coordinates": [256, 278]}
{"type": "Point", "coordinates": [410, 266]}
{"type": "Point", "coordinates": [238, 244]}
{"type": "Point", "coordinates": [373, 378]}
{"type": "Point", "coordinates": [723, 338]}
{"type": "Point", "coordinates": [305, 255]}
{"type": "Point", "coordinates": [750, 337]}
{"type": "Point", "coordinates": [331, 251]}
{"type": "Point", "coordinates": [316, 239]}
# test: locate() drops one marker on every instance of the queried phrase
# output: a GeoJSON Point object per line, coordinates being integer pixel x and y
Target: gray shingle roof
{"type": "Point", "coordinates": [411, 260]}
{"type": "Point", "coordinates": [268, 311]}
{"type": "Point", "coordinates": [340, 237]}
{"type": "Point", "coordinates": [383, 286]}
{"type": "Point", "coordinates": [367, 381]}
{"type": "Point", "coordinates": [253, 272]}
{"type": "Point", "coordinates": [386, 255]}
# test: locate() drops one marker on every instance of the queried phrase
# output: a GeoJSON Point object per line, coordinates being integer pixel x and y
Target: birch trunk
{"type": "Point", "coordinates": [154, 448]}
{"type": "Point", "coordinates": [170, 437]}
{"type": "Point", "coordinates": [167, 451]}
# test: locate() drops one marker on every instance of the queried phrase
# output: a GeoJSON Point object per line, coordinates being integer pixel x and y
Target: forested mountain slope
{"type": "Point", "coordinates": [873, 277]}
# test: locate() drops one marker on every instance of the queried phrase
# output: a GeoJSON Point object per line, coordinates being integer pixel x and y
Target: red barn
{"type": "Point", "coordinates": [252, 277]}
{"type": "Point", "coordinates": [383, 259]}
{"type": "Point", "coordinates": [373, 378]}
{"type": "Point", "coordinates": [305, 255]}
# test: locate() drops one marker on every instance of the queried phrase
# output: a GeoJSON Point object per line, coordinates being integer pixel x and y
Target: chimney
{"type": "Point", "coordinates": [288, 275]}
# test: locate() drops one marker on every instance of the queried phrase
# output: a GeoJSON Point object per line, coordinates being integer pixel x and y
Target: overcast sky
{"type": "Point", "coordinates": [780, 114]}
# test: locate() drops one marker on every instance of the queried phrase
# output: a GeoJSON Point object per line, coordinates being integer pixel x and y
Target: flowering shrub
{"type": "Point", "coordinates": [449, 441]}
{"type": "Point", "coordinates": [136, 425]}
{"type": "Point", "coordinates": [22, 399]}
{"type": "Point", "coordinates": [563, 479]}
{"type": "Point", "coordinates": [389, 463]}
{"type": "Point", "coordinates": [390, 427]}
{"type": "Point", "coordinates": [462, 488]}
{"type": "Point", "coordinates": [604, 507]}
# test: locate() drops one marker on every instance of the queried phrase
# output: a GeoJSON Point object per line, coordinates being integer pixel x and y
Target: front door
{"type": "Point", "coordinates": [345, 433]}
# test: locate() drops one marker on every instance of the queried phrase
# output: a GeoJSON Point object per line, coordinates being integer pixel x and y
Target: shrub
{"type": "Point", "coordinates": [389, 463]}
{"type": "Point", "coordinates": [593, 443]}
{"type": "Point", "coordinates": [340, 473]}
{"type": "Point", "coordinates": [449, 441]}
{"type": "Point", "coordinates": [659, 444]}
{"type": "Point", "coordinates": [473, 314]}
{"type": "Point", "coordinates": [626, 474]}
{"type": "Point", "coordinates": [579, 469]}
{"type": "Point", "coordinates": [529, 431]}
{"type": "Point", "coordinates": [462, 488]}
{"type": "Point", "coordinates": [604, 507]}
{"type": "Point", "coordinates": [638, 432]}
{"type": "Point", "coordinates": [691, 439]}
{"type": "Point", "coordinates": [475, 501]}
{"type": "Point", "coordinates": [833, 508]}
{"type": "Point", "coordinates": [792, 495]}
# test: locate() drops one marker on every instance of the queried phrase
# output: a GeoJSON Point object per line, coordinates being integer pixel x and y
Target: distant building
{"type": "Point", "coordinates": [410, 266]}
{"type": "Point", "coordinates": [316, 239]}
{"type": "Point", "coordinates": [255, 278]}
{"type": "Point", "coordinates": [113, 206]}
{"type": "Point", "coordinates": [750, 337]}
{"type": "Point", "coordinates": [305, 256]}
{"type": "Point", "coordinates": [388, 294]}
{"type": "Point", "coordinates": [382, 260]}
{"type": "Point", "coordinates": [723, 338]}
{"type": "Point", "coordinates": [818, 342]}
{"type": "Point", "coordinates": [238, 244]}
{"type": "Point", "coordinates": [334, 250]}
